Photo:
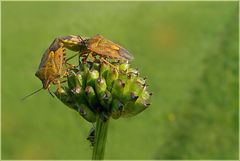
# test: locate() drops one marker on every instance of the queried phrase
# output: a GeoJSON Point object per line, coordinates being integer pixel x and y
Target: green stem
{"type": "Point", "coordinates": [100, 139]}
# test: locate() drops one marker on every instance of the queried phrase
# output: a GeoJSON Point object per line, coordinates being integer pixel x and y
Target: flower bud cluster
{"type": "Point", "coordinates": [108, 90]}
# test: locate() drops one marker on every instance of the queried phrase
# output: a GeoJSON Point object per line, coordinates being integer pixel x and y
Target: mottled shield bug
{"type": "Point", "coordinates": [105, 48]}
{"type": "Point", "coordinates": [53, 59]}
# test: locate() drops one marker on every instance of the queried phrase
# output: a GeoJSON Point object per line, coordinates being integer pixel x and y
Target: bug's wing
{"type": "Point", "coordinates": [102, 46]}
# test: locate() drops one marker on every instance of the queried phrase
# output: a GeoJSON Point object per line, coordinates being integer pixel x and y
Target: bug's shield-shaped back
{"type": "Point", "coordinates": [107, 48]}
{"type": "Point", "coordinates": [51, 66]}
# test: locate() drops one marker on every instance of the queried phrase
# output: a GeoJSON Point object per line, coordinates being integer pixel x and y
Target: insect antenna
{"type": "Point", "coordinates": [83, 41]}
{"type": "Point", "coordinates": [50, 93]}
{"type": "Point", "coordinates": [31, 94]}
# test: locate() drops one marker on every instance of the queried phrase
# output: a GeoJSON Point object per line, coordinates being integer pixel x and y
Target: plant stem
{"type": "Point", "coordinates": [100, 138]}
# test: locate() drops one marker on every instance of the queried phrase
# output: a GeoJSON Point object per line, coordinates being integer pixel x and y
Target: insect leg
{"type": "Point", "coordinates": [58, 83]}
{"type": "Point", "coordinates": [71, 57]}
{"type": "Point", "coordinates": [63, 81]}
{"type": "Point", "coordinates": [85, 56]}
{"type": "Point", "coordinates": [104, 60]}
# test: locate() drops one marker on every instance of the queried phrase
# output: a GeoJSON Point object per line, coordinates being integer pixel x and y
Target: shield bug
{"type": "Point", "coordinates": [51, 66]}
{"type": "Point", "coordinates": [105, 48]}
{"type": "Point", "coordinates": [53, 59]}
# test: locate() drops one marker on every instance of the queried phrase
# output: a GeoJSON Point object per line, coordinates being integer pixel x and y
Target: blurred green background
{"type": "Point", "coordinates": [187, 50]}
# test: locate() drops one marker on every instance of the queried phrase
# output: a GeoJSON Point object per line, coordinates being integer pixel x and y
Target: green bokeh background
{"type": "Point", "coordinates": [187, 50]}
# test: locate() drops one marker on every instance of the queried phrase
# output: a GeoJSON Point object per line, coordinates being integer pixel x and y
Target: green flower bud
{"type": "Point", "coordinates": [86, 113]}
{"type": "Point", "coordinates": [80, 79]}
{"type": "Point", "coordinates": [106, 100]}
{"type": "Point", "coordinates": [124, 67]}
{"type": "Point", "coordinates": [84, 67]}
{"type": "Point", "coordinates": [96, 66]}
{"type": "Point", "coordinates": [129, 88]}
{"type": "Point", "coordinates": [133, 108]}
{"type": "Point", "coordinates": [63, 95]}
{"type": "Point", "coordinates": [134, 91]}
{"type": "Point", "coordinates": [79, 95]}
{"type": "Point", "coordinates": [104, 69]}
{"type": "Point", "coordinates": [112, 75]}
{"type": "Point", "coordinates": [118, 88]}
{"type": "Point", "coordinates": [92, 76]}
{"type": "Point", "coordinates": [73, 80]}
{"type": "Point", "coordinates": [100, 85]}
{"type": "Point", "coordinates": [91, 96]}
{"type": "Point", "coordinates": [117, 108]}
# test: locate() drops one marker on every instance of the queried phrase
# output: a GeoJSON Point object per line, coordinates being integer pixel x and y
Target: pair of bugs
{"type": "Point", "coordinates": [53, 60]}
